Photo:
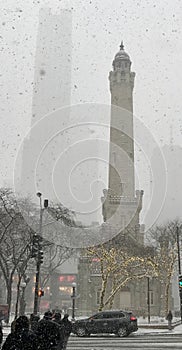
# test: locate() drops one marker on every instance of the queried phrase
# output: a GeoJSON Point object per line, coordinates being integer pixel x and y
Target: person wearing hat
{"type": "Point", "coordinates": [57, 319]}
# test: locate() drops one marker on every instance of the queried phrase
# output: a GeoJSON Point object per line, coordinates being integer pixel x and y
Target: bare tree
{"type": "Point", "coordinates": [164, 240]}
{"type": "Point", "coordinates": [56, 254]}
{"type": "Point", "coordinates": [15, 240]}
{"type": "Point", "coordinates": [62, 214]}
{"type": "Point", "coordinates": [16, 235]}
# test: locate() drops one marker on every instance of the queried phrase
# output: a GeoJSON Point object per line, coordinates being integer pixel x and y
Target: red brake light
{"type": "Point", "coordinates": [132, 318]}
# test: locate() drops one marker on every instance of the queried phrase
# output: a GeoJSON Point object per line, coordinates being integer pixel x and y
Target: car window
{"type": "Point", "coordinates": [96, 317]}
{"type": "Point", "coordinates": [115, 315]}
{"type": "Point", "coordinates": [111, 315]}
{"type": "Point", "coordinates": [107, 315]}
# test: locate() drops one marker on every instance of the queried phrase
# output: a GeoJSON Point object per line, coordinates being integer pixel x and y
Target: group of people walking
{"type": "Point", "coordinates": [51, 332]}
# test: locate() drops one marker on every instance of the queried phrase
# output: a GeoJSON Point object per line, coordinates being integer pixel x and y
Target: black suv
{"type": "Point", "coordinates": [121, 323]}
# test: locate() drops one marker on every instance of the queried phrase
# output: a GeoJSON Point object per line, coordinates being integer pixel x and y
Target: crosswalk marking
{"type": "Point", "coordinates": [137, 342]}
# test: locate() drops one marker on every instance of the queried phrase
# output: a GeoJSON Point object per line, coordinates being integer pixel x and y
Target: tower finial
{"type": "Point", "coordinates": [122, 45]}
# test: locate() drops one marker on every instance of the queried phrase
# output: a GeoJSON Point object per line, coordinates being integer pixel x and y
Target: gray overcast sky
{"type": "Point", "coordinates": [151, 31]}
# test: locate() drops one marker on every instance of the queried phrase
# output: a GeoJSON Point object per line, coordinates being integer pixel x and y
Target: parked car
{"type": "Point", "coordinates": [121, 323]}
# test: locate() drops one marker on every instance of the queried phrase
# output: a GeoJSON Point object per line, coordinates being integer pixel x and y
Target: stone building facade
{"type": "Point", "coordinates": [138, 296]}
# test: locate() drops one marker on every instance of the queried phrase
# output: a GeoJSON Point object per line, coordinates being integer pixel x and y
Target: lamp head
{"type": "Point", "coordinates": [39, 194]}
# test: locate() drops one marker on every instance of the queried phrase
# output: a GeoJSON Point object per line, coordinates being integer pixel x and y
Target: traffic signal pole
{"type": "Point", "coordinates": [36, 296]}
{"type": "Point", "coordinates": [179, 271]}
{"type": "Point", "coordinates": [37, 278]}
{"type": "Point", "coordinates": [39, 257]}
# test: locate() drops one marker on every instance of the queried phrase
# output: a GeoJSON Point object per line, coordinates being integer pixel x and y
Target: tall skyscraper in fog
{"type": "Point", "coordinates": [51, 92]}
{"type": "Point", "coordinates": [52, 79]}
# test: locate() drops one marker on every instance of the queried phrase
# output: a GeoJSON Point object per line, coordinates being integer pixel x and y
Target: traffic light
{"type": "Point", "coordinates": [35, 246]}
{"type": "Point", "coordinates": [46, 203]}
{"type": "Point", "coordinates": [180, 282]}
{"type": "Point", "coordinates": [40, 293]}
{"type": "Point", "coordinates": [40, 257]}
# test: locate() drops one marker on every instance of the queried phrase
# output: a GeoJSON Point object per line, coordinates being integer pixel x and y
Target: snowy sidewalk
{"type": "Point", "coordinates": [159, 325]}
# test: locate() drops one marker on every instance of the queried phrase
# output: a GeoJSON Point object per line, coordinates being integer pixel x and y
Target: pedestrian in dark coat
{"type": "Point", "coordinates": [57, 319]}
{"type": "Point", "coordinates": [22, 338]}
{"type": "Point", "coordinates": [169, 319]}
{"type": "Point", "coordinates": [1, 333]}
{"type": "Point", "coordinates": [48, 333]}
{"type": "Point", "coordinates": [67, 328]}
{"type": "Point", "coordinates": [34, 319]}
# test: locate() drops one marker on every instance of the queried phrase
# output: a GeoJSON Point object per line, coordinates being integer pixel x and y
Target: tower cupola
{"type": "Point", "coordinates": [122, 60]}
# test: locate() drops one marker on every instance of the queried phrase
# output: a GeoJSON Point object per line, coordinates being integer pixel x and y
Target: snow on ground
{"type": "Point", "coordinates": [176, 330]}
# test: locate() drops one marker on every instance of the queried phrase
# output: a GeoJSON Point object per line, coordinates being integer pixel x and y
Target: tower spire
{"type": "Point", "coordinates": [122, 45]}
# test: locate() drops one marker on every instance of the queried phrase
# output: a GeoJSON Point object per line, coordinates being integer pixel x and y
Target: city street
{"type": "Point", "coordinates": [91, 175]}
{"type": "Point", "coordinates": [143, 339]}
{"type": "Point", "coordinates": [144, 342]}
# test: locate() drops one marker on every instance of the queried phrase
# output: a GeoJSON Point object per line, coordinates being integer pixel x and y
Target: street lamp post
{"type": "Point", "coordinates": [23, 286]}
{"type": "Point", "coordinates": [73, 300]}
{"type": "Point", "coordinates": [38, 262]}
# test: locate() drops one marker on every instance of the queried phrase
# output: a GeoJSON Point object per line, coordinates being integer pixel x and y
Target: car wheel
{"type": "Point", "coordinates": [81, 332]}
{"type": "Point", "coordinates": [122, 332]}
